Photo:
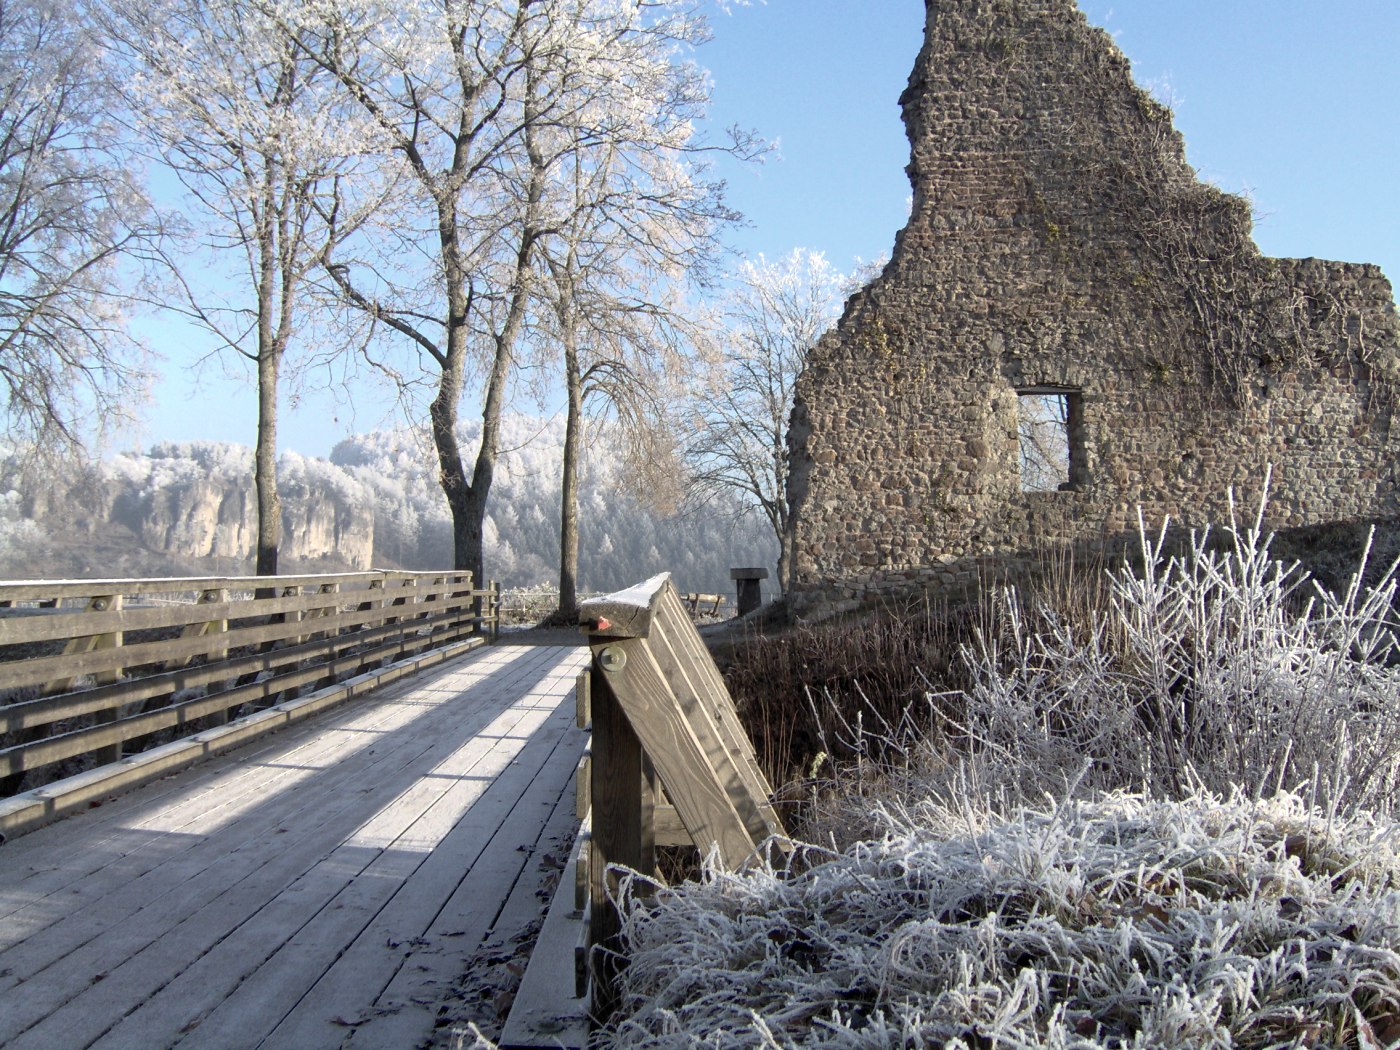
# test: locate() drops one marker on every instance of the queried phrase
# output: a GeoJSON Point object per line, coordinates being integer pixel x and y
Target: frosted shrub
{"type": "Point", "coordinates": [1216, 667]}
{"type": "Point", "coordinates": [1222, 871]}
{"type": "Point", "coordinates": [1122, 922]}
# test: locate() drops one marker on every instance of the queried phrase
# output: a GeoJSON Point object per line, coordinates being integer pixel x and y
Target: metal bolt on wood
{"type": "Point", "coordinates": [612, 659]}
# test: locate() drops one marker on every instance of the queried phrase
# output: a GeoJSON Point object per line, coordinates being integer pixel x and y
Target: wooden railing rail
{"type": "Point", "coordinates": [523, 606]}
{"type": "Point", "coordinates": [668, 764]}
{"type": "Point", "coordinates": [135, 657]}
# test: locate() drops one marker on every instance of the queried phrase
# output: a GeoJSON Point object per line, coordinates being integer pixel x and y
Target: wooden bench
{"type": "Point", "coordinates": [703, 604]}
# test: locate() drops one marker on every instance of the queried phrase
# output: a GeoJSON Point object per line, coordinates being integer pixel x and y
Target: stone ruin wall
{"type": "Point", "coordinates": [1058, 238]}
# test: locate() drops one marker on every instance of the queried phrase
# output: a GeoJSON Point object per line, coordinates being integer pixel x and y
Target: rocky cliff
{"type": "Point", "coordinates": [190, 509]}
{"type": "Point", "coordinates": [197, 501]}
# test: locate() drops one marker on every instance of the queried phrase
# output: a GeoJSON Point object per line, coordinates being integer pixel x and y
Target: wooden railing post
{"type": "Point", "coordinates": [111, 640]}
{"type": "Point", "coordinates": [208, 596]}
{"type": "Point", "coordinates": [403, 599]}
{"type": "Point", "coordinates": [668, 762]}
{"type": "Point", "coordinates": [493, 600]}
{"type": "Point", "coordinates": [325, 611]}
{"type": "Point", "coordinates": [293, 617]}
{"type": "Point", "coordinates": [98, 603]}
{"type": "Point", "coordinates": [623, 798]}
{"type": "Point", "coordinates": [373, 601]}
{"type": "Point", "coordinates": [215, 596]}
{"type": "Point", "coordinates": [479, 604]}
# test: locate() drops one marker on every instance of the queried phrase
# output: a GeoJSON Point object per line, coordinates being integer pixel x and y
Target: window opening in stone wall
{"type": "Point", "coordinates": [1047, 424]}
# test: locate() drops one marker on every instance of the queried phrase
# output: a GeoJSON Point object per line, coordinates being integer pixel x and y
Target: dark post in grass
{"type": "Point", "coordinates": [750, 591]}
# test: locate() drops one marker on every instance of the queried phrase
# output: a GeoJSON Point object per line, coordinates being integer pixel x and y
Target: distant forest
{"type": "Point", "coordinates": [189, 508]}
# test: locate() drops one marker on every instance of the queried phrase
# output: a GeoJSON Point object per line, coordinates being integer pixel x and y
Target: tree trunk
{"type": "Point", "coordinates": [452, 475]}
{"type": "Point", "coordinates": [568, 504]}
{"type": "Point", "coordinates": [467, 539]}
{"type": "Point", "coordinates": [265, 467]}
{"type": "Point", "coordinates": [467, 499]}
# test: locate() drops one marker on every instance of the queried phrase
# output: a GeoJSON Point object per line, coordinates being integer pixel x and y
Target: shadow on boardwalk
{"type": "Point", "coordinates": [326, 887]}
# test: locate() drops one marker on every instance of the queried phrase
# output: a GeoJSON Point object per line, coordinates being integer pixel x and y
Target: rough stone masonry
{"type": "Point", "coordinates": [1062, 253]}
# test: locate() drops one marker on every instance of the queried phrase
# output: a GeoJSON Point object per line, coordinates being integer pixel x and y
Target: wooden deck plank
{"type": "Point", "coordinates": [265, 828]}
{"type": "Point", "coordinates": [135, 971]}
{"type": "Point", "coordinates": [186, 883]}
{"type": "Point", "coordinates": [411, 1008]}
{"type": "Point", "coordinates": [247, 982]}
{"type": "Point", "coordinates": [127, 853]}
{"type": "Point", "coordinates": [196, 932]}
{"type": "Point", "coordinates": [136, 956]}
{"type": "Point", "coordinates": [194, 789]}
{"type": "Point", "coordinates": [545, 1012]}
{"type": "Point", "coordinates": [216, 777]}
{"type": "Point", "coordinates": [437, 937]}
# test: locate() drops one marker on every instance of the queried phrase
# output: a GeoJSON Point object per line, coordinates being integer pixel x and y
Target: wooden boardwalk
{"type": "Point", "coordinates": [326, 887]}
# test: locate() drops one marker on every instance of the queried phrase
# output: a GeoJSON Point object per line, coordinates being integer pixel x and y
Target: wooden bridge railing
{"type": "Point", "coordinates": [534, 604]}
{"type": "Point", "coordinates": [668, 764]}
{"type": "Point", "coordinates": [89, 667]}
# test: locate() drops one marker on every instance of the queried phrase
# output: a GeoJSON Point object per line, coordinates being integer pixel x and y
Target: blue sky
{"type": "Point", "coordinates": [1296, 102]}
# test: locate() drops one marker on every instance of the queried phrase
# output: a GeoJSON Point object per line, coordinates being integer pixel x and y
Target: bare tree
{"type": "Point", "coordinates": [272, 158]}
{"type": "Point", "coordinates": [482, 102]}
{"type": "Point", "coordinates": [446, 86]}
{"type": "Point", "coordinates": [622, 354]}
{"type": "Point", "coordinates": [630, 218]}
{"type": "Point", "coordinates": [772, 315]}
{"type": "Point", "coordinates": [72, 219]}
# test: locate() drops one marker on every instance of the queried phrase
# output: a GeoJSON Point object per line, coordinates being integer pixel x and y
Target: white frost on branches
{"type": "Point", "coordinates": [73, 221]}
{"type": "Point", "coordinates": [1217, 666]}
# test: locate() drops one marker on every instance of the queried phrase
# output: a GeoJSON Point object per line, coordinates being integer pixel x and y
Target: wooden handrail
{"type": "Point", "coordinates": [91, 681]}
{"type": "Point", "coordinates": [668, 764]}
{"type": "Point", "coordinates": [43, 590]}
{"type": "Point", "coordinates": [695, 601]}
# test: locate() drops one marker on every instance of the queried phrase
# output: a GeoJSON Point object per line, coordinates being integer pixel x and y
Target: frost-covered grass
{"type": "Point", "coordinates": [1217, 668]}
{"type": "Point", "coordinates": [1221, 868]}
{"type": "Point", "coordinates": [1109, 923]}
{"type": "Point", "coordinates": [1212, 668]}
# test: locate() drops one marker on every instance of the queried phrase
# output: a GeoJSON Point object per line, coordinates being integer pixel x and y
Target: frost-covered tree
{"type": "Point", "coordinates": [448, 88]}
{"type": "Point", "coordinates": [481, 103]}
{"type": "Point", "coordinates": [621, 539]}
{"type": "Point", "coordinates": [629, 219]}
{"type": "Point", "coordinates": [270, 155]}
{"type": "Point", "coordinates": [145, 507]}
{"type": "Point", "coordinates": [737, 431]}
{"type": "Point", "coordinates": [72, 219]}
